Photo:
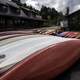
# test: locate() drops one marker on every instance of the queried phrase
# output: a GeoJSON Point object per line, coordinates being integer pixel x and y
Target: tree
{"type": "Point", "coordinates": [44, 12]}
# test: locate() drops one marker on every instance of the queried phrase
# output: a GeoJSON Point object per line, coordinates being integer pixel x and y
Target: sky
{"type": "Point", "coordinates": [59, 5]}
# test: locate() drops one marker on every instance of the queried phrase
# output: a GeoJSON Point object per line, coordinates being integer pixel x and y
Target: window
{"type": "Point", "coordinates": [14, 10]}
{"type": "Point", "coordinates": [3, 8]}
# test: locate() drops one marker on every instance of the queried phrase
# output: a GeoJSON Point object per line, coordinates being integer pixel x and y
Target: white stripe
{"type": "Point", "coordinates": [13, 39]}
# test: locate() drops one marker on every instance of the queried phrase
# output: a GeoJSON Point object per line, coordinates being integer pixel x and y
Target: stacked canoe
{"type": "Point", "coordinates": [70, 34]}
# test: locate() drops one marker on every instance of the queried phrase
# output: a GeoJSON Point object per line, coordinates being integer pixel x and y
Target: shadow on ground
{"type": "Point", "coordinates": [71, 74]}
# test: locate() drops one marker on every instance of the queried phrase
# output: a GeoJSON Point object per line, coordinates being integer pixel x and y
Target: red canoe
{"type": "Point", "coordinates": [37, 57]}
{"type": "Point", "coordinates": [72, 34]}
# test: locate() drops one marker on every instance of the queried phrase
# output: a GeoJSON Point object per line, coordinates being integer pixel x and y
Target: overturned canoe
{"type": "Point", "coordinates": [37, 57]}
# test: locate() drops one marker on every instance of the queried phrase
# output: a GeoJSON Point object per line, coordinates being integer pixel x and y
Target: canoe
{"type": "Point", "coordinates": [37, 57]}
{"type": "Point", "coordinates": [72, 34]}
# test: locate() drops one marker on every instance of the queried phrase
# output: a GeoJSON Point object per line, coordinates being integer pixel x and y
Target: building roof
{"type": "Point", "coordinates": [74, 12]}
{"type": "Point", "coordinates": [12, 4]}
{"type": "Point", "coordinates": [3, 1]}
{"type": "Point", "coordinates": [9, 3]}
{"type": "Point", "coordinates": [27, 9]}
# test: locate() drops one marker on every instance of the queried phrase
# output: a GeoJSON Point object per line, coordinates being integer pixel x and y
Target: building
{"type": "Point", "coordinates": [14, 16]}
{"type": "Point", "coordinates": [74, 21]}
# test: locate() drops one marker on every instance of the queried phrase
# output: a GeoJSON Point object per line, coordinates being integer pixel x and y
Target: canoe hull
{"type": "Point", "coordinates": [46, 63]}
